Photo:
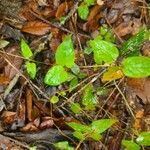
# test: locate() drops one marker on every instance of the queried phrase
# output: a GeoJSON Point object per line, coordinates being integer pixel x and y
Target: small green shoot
{"type": "Point", "coordinates": [93, 130]}
{"type": "Point", "coordinates": [143, 139]}
{"type": "Point", "coordinates": [25, 49]}
{"type": "Point", "coordinates": [76, 108]}
{"type": "Point", "coordinates": [54, 99]}
{"type": "Point", "coordinates": [130, 145]}
{"type": "Point", "coordinates": [31, 69]}
{"type": "Point", "coordinates": [83, 11]}
{"type": "Point", "coordinates": [63, 145]}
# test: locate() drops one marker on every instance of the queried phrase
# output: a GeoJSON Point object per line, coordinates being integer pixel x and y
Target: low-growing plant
{"type": "Point", "coordinates": [27, 54]}
{"type": "Point", "coordinates": [94, 130]}
{"type": "Point", "coordinates": [143, 139]}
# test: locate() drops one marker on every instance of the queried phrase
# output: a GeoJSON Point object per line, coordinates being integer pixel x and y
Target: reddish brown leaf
{"type": "Point", "coordinates": [8, 117]}
{"type": "Point", "coordinates": [62, 9]}
{"type": "Point", "coordinates": [36, 27]}
{"type": "Point", "coordinates": [14, 62]}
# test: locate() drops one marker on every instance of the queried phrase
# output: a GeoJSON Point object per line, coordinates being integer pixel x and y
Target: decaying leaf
{"type": "Point", "coordinates": [14, 62]}
{"type": "Point", "coordinates": [36, 27]}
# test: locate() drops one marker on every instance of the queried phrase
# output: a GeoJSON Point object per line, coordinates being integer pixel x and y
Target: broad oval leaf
{"type": "Point", "coordinates": [144, 139]}
{"type": "Point", "coordinates": [56, 75]}
{"type": "Point", "coordinates": [104, 51]}
{"type": "Point", "coordinates": [31, 69]}
{"type": "Point", "coordinates": [136, 67]}
{"type": "Point", "coordinates": [102, 125]}
{"type": "Point", "coordinates": [83, 11]}
{"type": "Point", "coordinates": [65, 55]}
{"type": "Point", "coordinates": [25, 49]}
{"type": "Point", "coordinates": [130, 145]}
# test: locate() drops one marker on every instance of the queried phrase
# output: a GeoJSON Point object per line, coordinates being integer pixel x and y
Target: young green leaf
{"type": "Point", "coordinates": [102, 125]}
{"type": "Point", "coordinates": [79, 135]}
{"type": "Point", "coordinates": [89, 99]}
{"type": "Point", "coordinates": [65, 55]}
{"type": "Point", "coordinates": [132, 46]}
{"type": "Point", "coordinates": [136, 67]}
{"type": "Point", "coordinates": [89, 2]}
{"type": "Point", "coordinates": [76, 108]}
{"type": "Point", "coordinates": [95, 135]}
{"type": "Point", "coordinates": [83, 11]}
{"type": "Point", "coordinates": [56, 75]}
{"type": "Point", "coordinates": [75, 69]}
{"type": "Point", "coordinates": [79, 127]}
{"type": "Point", "coordinates": [103, 51]}
{"type": "Point", "coordinates": [54, 99]}
{"type": "Point", "coordinates": [31, 69]}
{"type": "Point", "coordinates": [144, 139]}
{"type": "Point", "coordinates": [25, 49]}
{"type": "Point", "coordinates": [63, 145]}
{"type": "Point", "coordinates": [73, 84]}
{"type": "Point", "coordinates": [130, 145]}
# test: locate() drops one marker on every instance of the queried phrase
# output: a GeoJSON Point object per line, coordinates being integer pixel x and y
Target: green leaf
{"type": "Point", "coordinates": [25, 49]}
{"type": "Point", "coordinates": [130, 145]}
{"type": "Point", "coordinates": [83, 11]}
{"type": "Point", "coordinates": [79, 135]}
{"type": "Point", "coordinates": [63, 145]}
{"type": "Point", "coordinates": [73, 84]}
{"type": "Point", "coordinates": [144, 139]}
{"type": "Point", "coordinates": [79, 127]}
{"type": "Point", "coordinates": [3, 43]}
{"type": "Point", "coordinates": [136, 67]}
{"type": "Point", "coordinates": [31, 69]}
{"type": "Point", "coordinates": [88, 50]}
{"type": "Point", "coordinates": [132, 46]}
{"type": "Point", "coordinates": [76, 108]}
{"type": "Point", "coordinates": [95, 135]}
{"type": "Point", "coordinates": [56, 75]}
{"type": "Point", "coordinates": [54, 99]}
{"type": "Point", "coordinates": [102, 91]}
{"type": "Point", "coordinates": [102, 125]}
{"type": "Point", "coordinates": [103, 51]}
{"type": "Point", "coordinates": [89, 99]}
{"type": "Point", "coordinates": [89, 2]}
{"type": "Point", "coordinates": [65, 55]}
{"type": "Point", "coordinates": [75, 69]}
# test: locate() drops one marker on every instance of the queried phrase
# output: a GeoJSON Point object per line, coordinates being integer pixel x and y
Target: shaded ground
{"type": "Point", "coordinates": [27, 117]}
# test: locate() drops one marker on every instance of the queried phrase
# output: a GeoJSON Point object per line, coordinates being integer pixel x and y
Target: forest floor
{"type": "Point", "coordinates": [66, 81]}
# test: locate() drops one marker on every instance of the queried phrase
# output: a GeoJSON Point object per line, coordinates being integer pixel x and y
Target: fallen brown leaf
{"type": "Point", "coordinates": [36, 27]}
